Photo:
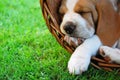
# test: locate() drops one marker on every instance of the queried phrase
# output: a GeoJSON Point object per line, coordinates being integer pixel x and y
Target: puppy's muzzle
{"type": "Point", "coordinates": [69, 27]}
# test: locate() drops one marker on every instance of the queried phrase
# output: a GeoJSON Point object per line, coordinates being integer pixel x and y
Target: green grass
{"type": "Point", "coordinates": [29, 52]}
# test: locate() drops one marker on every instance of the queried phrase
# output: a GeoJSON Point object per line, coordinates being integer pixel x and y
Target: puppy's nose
{"type": "Point", "coordinates": [69, 27]}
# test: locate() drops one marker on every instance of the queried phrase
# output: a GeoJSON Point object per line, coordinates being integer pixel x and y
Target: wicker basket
{"type": "Point", "coordinates": [53, 19]}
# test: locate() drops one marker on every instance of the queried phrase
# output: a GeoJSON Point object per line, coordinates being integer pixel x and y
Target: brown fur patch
{"type": "Point", "coordinates": [108, 24]}
{"type": "Point", "coordinates": [63, 8]}
{"type": "Point", "coordinates": [87, 6]}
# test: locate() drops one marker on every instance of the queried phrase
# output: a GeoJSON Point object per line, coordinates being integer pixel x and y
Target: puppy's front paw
{"type": "Point", "coordinates": [112, 54]}
{"type": "Point", "coordinates": [78, 64]}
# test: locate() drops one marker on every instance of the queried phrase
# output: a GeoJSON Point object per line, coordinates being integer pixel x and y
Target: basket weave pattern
{"type": "Point", "coordinates": [52, 18]}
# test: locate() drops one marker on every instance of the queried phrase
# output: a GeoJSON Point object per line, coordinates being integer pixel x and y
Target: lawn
{"type": "Point", "coordinates": [29, 52]}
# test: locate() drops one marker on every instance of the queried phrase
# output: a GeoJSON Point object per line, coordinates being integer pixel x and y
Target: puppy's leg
{"type": "Point", "coordinates": [80, 59]}
{"type": "Point", "coordinates": [112, 53]}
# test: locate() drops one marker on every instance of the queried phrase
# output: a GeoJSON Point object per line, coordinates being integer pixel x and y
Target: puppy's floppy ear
{"type": "Point", "coordinates": [108, 28]}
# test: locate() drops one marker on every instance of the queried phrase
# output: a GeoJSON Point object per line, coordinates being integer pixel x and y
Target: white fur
{"type": "Point", "coordinates": [71, 4]}
{"type": "Point", "coordinates": [112, 53]}
{"type": "Point", "coordinates": [80, 59]}
{"type": "Point", "coordinates": [82, 29]}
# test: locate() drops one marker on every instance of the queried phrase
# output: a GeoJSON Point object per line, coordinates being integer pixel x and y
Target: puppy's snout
{"type": "Point", "coordinates": [69, 27]}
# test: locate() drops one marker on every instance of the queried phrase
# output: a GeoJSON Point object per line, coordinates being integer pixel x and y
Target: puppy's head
{"type": "Point", "coordinates": [79, 18]}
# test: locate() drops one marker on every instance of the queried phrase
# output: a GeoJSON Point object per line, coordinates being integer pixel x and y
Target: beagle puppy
{"type": "Point", "coordinates": [91, 21]}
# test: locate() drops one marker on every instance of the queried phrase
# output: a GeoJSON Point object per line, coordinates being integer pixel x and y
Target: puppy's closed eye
{"type": "Point", "coordinates": [82, 12]}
